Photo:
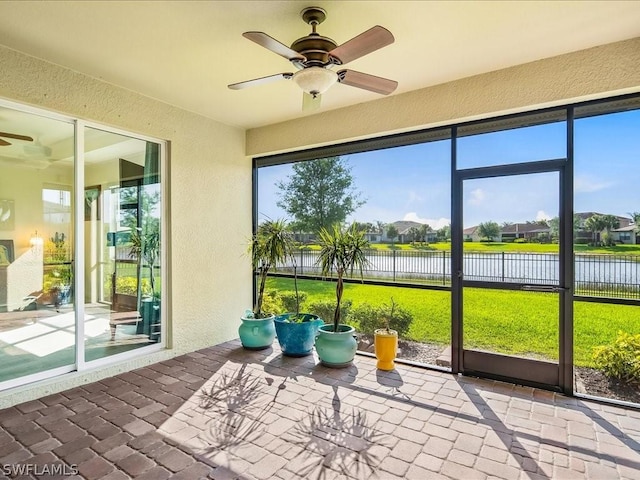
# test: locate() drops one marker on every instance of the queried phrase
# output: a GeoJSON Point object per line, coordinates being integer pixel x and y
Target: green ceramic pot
{"type": "Point", "coordinates": [257, 333]}
{"type": "Point", "coordinates": [336, 349]}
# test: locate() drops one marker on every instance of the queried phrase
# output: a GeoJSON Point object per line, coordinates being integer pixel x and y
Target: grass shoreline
{"type": "Point", "coordinates": [500, 247]}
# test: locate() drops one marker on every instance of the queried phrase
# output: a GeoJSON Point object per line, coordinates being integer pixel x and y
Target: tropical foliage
{"type": "Point", "coordinates": [271, 244]}
{"type": "Point", "coordinates": [145, 246]}
{"type": "Point", "coordinates": [342, 251]}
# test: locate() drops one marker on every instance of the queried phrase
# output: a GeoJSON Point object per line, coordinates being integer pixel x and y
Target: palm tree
{"type": "Point", "coordinates": [610, 222]}
{"type": "Point", "coordinates": [414, 233]}
{"type": "Point", "coordinates": [145, 246]}
{"type": "Point", "coordinates": [271, 244]}
{"type": "Point", "coordinates": [594, 224]}
{"type": "Point", "coordinates": [425, 228]}
{"type": "Point", "coordinates": [342, 251]}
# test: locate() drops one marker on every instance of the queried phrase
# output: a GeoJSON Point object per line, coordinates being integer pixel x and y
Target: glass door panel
{"type": "Point", "coordinates": [511, 276]}
{"type": "Point", "coordinates": [122, 243]}
{"type": "Point", "coordinates": [37, 323]}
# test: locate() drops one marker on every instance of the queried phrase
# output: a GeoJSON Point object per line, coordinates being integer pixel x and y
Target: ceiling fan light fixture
{"type": "Point", "coordinates": [37, 149]}
{"type": "Point", "coordinates": [315, 80]}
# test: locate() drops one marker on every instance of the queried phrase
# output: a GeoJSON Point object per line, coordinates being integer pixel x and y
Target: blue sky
{"type": "Point", "coordinates": [413, 182]}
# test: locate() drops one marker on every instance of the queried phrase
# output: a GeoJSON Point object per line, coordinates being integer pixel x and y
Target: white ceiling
{"type": "Point", "coordinates": [186, 53]}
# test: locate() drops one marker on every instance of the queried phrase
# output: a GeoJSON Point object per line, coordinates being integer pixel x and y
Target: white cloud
{"type": "Point", "coordinates": [414, 197]}
{"type": "Point", "coordinates": [585, 184]}
{"type": "Point", "coordinates": [433, 223]}
{"type": "Point", "coordinates": [542, 215]}
{"type": "Point", "coordinates": [477, 196]}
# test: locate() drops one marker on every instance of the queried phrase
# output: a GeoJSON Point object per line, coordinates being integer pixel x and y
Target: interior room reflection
{"type": "Point", "coordinates": [38, 275]}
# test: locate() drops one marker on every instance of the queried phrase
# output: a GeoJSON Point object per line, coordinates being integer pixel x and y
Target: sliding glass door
{"type": "Point", "coordinates": [80, 245]}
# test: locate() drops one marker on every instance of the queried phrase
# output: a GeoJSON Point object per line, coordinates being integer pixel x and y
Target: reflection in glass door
{"type": "Point", "coordinates": [512, 279]}
{"type": "Point", "coordinates": [122, 213]}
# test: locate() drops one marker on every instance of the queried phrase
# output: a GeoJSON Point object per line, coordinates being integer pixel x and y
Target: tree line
{"type": "Point", "coordinates": [320, 193]}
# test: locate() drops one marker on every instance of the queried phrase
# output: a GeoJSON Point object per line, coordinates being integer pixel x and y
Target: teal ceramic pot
{"type": "Point", "coordinates": [257, 333]}
{"type": "Point", "coordinates": [336, 349]}
{"type": "Point", "coordinates": [296, 339]}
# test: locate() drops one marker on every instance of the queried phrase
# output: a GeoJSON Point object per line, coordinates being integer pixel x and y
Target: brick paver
{"type": "Point", "coordinates": [227, 413]}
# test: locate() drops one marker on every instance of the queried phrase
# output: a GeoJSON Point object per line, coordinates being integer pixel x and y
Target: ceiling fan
{"type": "Point", "coordinates": [315, 55]}
{"type": "Point", "coordinates": [4, 143]}
{"type": "Point", "coordinates": [33, 154]}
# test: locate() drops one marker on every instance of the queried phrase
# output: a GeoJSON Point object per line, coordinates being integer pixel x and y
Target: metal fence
{"type": "Point", "coordinates": [602, 275]}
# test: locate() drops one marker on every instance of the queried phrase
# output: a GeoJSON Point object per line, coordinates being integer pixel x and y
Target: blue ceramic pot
{"type": "Point", "coordinates": [257, 333]}
{"type": "Point", "coordinates": [336, 349]}
{"type": "Point", "coordinates": [296, 339]}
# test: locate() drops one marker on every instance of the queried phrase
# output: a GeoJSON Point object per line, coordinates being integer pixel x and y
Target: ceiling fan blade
{"type": "Point", "coordinates": [365, 43]}
{"type": "Point", "coordinates": [17, 137]}
{"type": "Point", "coordinates": [367, 82]}
{"type": "Point", "coordinates": [4, 143]}
{"type": "Point", "coordinates": [260, 81]}
{"type": "Point", "coordinates": [274, 45]}
{"type": "Point", "coordinates": [310, 102]}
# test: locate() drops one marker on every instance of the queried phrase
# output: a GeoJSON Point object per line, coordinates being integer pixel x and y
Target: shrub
{"type": "Point", "coordinates": [129, 286]}
{"type": "Point", "coordinates": [369, 318]}
{"type": "Point", "coordinates": [621, 359]}
{"type": "Point", "coordinates": [520, 240]}
{"type": "Point", "coordinates": [272, 303]}
{"type": "Point", "coordinates": [288, 299]}
{"type": "Point", "coordinates": [324, 309]}
{"type": "Point", "coordinates": [366, 317]}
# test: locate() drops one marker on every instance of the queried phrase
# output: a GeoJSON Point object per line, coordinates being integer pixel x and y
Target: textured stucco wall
{"type": "Point", "coordinates": [210, 201]}
{"type": "Point", "coordinates": [591, 73]}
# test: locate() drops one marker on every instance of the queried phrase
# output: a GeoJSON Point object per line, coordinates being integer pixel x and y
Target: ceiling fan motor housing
{"type": "Point", "coordinates": [315, 48]}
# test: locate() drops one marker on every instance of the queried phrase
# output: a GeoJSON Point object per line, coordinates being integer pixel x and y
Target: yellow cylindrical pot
{"type": "Point", "coordinates": [386, 346]}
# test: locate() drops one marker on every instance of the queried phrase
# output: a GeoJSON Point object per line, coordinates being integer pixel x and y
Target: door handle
{"type": "Point", "coordinates": [544, 288]}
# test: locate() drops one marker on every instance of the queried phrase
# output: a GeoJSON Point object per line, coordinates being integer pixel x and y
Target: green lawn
{"type": "Point", "coordinates": [510, 322]}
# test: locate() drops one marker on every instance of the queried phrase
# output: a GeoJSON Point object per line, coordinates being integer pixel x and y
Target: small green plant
{"type": "Point", "coordinates": [387, 317]}
{"type": "Point", "coordinates": [620, 360]}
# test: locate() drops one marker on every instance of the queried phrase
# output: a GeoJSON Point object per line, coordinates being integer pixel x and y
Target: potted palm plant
{"type": "Point", "coordinates": [296, 332]}
{"type": "Point", "coordinates": [341, 251]}
{"type": "Point", "coordinates": [58, 278]}
{"type": "Point", "coordinates": [145, 247]}
{"type": "Point", "coordinates": [269, 246]}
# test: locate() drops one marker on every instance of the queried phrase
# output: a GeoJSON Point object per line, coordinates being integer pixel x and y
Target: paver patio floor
{"type": "Point", "coordinates": [224, 413]}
